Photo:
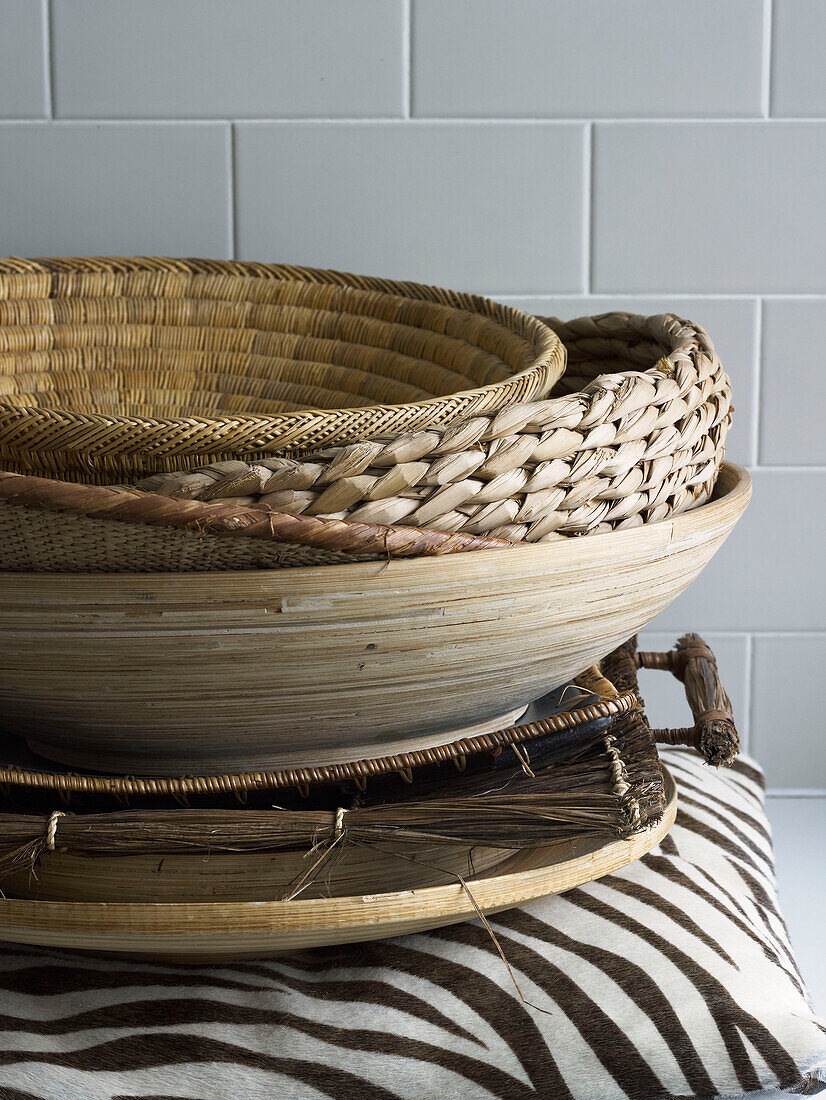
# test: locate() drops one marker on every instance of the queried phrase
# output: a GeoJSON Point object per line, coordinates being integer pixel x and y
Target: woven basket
{"type": "Point", "coordinates": [113, 369]}
{"type": "Point", "coordinates": [635, 445]}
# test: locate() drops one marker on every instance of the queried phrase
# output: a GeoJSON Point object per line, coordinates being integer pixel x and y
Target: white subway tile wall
{"type": "Point", "coordinates": [213, 59]}
{"type": "Point", "coordinates": [114, 188]}
{"type": "Point", "coordinates": [787, 711]}
{"type": "Point", "coordinates": [22, 83]}
{"type": "Point", "coordinates": [570, 158]}
{"type": "Point", "coordinates": [792, 432]}
{"type": "Point", "coordinates": [465, 206]}
{"type": "Point", "coordinates": [589, 59]}
{"type": "Point", "coordinates": [798, 87]}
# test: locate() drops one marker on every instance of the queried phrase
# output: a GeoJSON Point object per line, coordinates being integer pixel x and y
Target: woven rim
{"type": "Point", "coordinates": [324, 534]}
{"type": "Point", "coordinates": [301, 778]}
{"type": "Point", "coordinates": [53, 312]}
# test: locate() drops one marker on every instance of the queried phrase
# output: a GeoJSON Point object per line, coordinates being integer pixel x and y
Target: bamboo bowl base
{"type": "Point", "coordinates": [118, 763]}
{"type": "Point", "coordinates": [203, 932]}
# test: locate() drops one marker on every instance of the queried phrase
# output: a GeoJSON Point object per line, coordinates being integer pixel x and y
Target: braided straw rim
{"type": "Point", "coordinates": [632, 446]}
{"type": "Point", "coordinates": [48, 439]}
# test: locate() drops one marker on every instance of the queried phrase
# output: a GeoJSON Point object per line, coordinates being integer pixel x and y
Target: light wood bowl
{"type": "Point", "coordinates": [173, 673]}
{"type": "Point", "coordinates": [212, 931]}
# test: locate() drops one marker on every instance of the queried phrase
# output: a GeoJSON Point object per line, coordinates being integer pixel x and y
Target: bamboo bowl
{"type": "Point", "coordinates": [112, 369]}
{"type": "Point", "coordinates": [172, 673]}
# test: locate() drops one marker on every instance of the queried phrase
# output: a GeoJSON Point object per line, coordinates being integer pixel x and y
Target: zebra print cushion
{"type": "Point", "coordinates": [674, 978]}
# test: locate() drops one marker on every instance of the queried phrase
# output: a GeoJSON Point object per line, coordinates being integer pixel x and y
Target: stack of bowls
{"type": "Point", "coordinates": [398, 403]}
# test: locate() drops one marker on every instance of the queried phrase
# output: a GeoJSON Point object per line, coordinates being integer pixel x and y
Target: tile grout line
{"type": "Point", "coordinates": [232, 186]}
{"type": "Point", "coordinates": [751, 697]}
{"type": "Point", "coordinates": [795, 793]}
{"type": "Point", "coordinates": [766, 59]}
{"type": "Point", "coordinates": [744, 632]}
{"type": "Point", "coordinates": [671, 295]}
{"type": "Point", "coordinates": [407, 58]}
{"type": "Point", "coordinates": [757, 396]}
{"type": "Point", "coordinates": [419, 120]}
{"type": "Point", "coordinates": [782, 468]}
{"type": "Point", "coordinates": [48, 59]}
{"type": "Point", "coordinates": [588, 208]}
{"type": "Point", "coordinates": [749, 691]}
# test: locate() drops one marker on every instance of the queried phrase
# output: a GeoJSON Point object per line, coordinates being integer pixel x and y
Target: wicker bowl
{"type": "Point", "coordinates": [172, 673]}
{"type": "Point", "coordinates": [118, 368]}
{"type": "Point", "coordinates": [635, 432]}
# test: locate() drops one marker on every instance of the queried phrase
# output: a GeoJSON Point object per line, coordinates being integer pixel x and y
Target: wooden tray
{"type": "Point", "coordinates": [207, 931]}
{"type": "Point", "coordinates": [318, 666]}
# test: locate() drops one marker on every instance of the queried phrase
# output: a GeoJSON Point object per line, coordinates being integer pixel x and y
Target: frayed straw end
{"type": "Point", "coordinates": [717, 740]}
{"type": "Point", "coordinates": [27, 856]}
{"type": "Point", "coordinates": [24, 858]}
{"type": "Point", "coordinates": [714, 736]}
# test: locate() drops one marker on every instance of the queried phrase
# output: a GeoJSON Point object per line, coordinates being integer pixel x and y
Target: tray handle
{"type": "Point", "coordinates": [714, 734]}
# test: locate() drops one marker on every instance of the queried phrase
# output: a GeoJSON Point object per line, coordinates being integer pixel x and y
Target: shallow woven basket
{"type": "Point", "coordinates": [634, 445]}
{"type": "Point", "coordinates": [117, 368]}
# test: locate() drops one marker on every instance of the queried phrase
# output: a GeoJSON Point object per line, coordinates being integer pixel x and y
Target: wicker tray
{"type": "Point", "coordinates": [419, 826]}
{"type": "Point", "coordinates": [204, 931]}
{"type": "Point", "coordinates": [116, 368]}
{"type": "Point", "coordinates": [554, 725]}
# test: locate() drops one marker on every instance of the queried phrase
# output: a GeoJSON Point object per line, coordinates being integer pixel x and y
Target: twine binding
{"type": "Point", "coordinates": [51, 829]}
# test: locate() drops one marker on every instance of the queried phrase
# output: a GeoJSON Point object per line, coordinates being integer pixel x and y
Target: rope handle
{"type": "Point", "coordinates": [714, 734]}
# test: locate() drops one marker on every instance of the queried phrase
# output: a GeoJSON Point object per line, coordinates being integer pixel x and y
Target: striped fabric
{"type": "Point", "coordinates": [674, 978]}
